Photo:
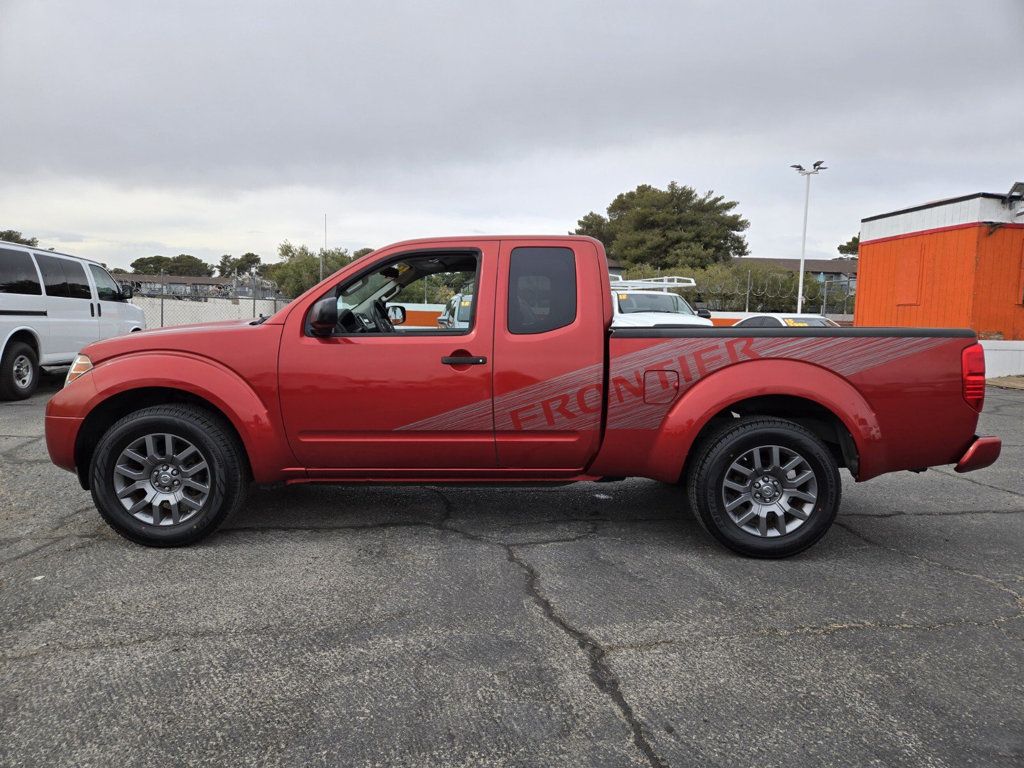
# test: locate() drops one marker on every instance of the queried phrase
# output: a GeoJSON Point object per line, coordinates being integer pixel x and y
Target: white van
{"type": "Point", "coordinates": [52, 305]}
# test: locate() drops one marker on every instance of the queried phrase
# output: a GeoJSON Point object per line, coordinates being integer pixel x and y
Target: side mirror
{"type": "Point", "coordinates": [126, 293]}
{"type": "Point", "coordinates": [324, 317]}
{"type": "Point", "coordinates": [704, 313]}
{"type": "Point", "coordinates": [396, 314]}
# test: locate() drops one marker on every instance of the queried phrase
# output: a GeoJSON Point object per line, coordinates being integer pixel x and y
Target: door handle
{"type": "Point", "coordinates": [464, 360]}
{"type": "Point", "coordinates": [92, 310]}
{"type": "Point", "coordinates": [99, 309]}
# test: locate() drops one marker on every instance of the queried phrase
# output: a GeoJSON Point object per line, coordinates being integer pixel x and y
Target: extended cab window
{"type": "Point", "coordinates": [419, 294]}
{"type": "Point", "coordinates": [541, 289]}
{"type": "Point", "coordinates": [17, 273]}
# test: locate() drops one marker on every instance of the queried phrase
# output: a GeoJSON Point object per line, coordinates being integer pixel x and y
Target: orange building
{"type": "Point", "coordinates": [952, 263]}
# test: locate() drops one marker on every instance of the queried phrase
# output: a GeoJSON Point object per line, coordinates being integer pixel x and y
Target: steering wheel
{"type": "Point", "coordinates": [383, 323]}
{"type": "Point", "coordinates": [349, 323]}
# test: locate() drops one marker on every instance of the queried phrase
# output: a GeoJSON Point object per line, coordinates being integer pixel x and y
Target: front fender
{"type": "Point", "coordinates": [199, 376]}
{"type": "Point", "coordinates": [759, 378]}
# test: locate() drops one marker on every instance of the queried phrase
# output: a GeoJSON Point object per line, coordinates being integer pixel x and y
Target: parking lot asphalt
{"type": "Point", "coordinates": [585, 625]}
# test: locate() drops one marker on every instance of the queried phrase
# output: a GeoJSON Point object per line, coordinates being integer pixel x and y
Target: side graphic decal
{"type": "Point", "coordinates": [573, 401]}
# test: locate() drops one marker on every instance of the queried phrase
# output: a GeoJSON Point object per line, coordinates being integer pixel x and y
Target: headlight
{"type": "Point", "coordinates": [81, 366]}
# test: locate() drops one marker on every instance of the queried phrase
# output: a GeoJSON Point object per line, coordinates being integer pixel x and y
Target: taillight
{"type": "Point", "coordinates": [972, 368]}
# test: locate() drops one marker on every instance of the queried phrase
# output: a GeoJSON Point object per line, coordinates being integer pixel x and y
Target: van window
{"type": "Point", "coordinates": [63, 277]}
{"type": "Point", "coordinates": [18, 273]}
{"type": "Point", "coordinates": [106, 288]}
{"type": "Point", "coordinates": [78, 283]}
{"type": "Point", "coordinates": [53, 275]}
{"type": "Point", "coordinates": [541, 289]}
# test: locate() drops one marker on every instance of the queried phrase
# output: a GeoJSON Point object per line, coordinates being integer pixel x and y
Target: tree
{"type": "Point", "coordinates": [851, 247]}
{"type": "Point", "coordinates": [182, 264]}
{"type": "Point", "coordinates": [299, 268]}
{"type": "Point", "coordinates": [151, 265]}
{"type": "Point", "coordinates": [246, 264]}
{"type": "Point", "coordinates": [14, 236]}
{"type": "Point", "coordinates": [185, 264]}
{"type": "Point", "coordinates": [226, 265]}
{"type": "Point", "coordinates": [668, 228]}
{"type": "Point", "coordinates": [119, 271]}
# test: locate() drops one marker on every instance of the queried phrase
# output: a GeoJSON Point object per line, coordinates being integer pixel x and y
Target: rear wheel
{"type": "Point", "coordinates": [167, 476]}
{"type": "Point", "coordinates": [765, 487]}
{"type": "Point", "coordinates": [19, 372]}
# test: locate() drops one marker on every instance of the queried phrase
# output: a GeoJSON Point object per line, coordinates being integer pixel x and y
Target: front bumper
{"type": "Point", "coordinates": [983, 452]}
{"type": "Point", "coordinates": [61, 433]}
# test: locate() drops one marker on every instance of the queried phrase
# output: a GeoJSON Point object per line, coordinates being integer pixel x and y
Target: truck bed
{"type": "Point", "coordinates": [896, 391]}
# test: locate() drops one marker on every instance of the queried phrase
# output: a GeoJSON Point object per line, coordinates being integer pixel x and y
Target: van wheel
{"type": "Point", "coordinates": [19, 372]}
{"type": "Point", "coordinates": [168, 475]}
{"type": "Point", "coordinates": [765, 487]}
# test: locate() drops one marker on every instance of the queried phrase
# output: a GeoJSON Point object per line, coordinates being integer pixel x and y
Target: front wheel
{"type": "Point", "coordinates": [764, 487]}
{"type": "Point", "coordinates": [168, 475]}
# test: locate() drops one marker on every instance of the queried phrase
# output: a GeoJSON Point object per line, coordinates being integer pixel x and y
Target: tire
{"type": "Point", "coordinates": [19, 372]}
{"type": "Point", "coordinates": [776, 510]}
{"type": "Point", "coordinates": [151, 491]}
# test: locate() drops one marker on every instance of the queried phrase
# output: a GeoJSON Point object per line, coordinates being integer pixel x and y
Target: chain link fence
{"type": "Point", "coordinates": [757, 290]}
{"type": "Point", "coordinates": [169, 300]}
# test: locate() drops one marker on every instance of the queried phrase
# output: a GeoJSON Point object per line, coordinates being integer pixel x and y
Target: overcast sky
{"type": "Point", "coordinates": [134, 128]}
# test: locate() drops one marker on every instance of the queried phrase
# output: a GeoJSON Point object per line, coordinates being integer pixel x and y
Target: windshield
{"type": "Point", "coordinates": [355, 294]}
{"type": "Point", "coordinates": [652, 302]}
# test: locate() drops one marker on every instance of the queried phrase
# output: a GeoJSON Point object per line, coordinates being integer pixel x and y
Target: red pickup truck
{"type": "Point", "coordinates": [168, 427]}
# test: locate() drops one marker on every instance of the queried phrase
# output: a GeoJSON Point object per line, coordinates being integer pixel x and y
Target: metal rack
{"type": "Point", "coordinates": [663, 284]}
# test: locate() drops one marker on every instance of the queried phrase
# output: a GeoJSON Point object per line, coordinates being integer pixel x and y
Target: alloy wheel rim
{"type": "Point", "coordinates": [22, 371]}
{"type": "Point", "coordinates": [162, 479]}
{"type": "Point", "coordinates": [769, 491]}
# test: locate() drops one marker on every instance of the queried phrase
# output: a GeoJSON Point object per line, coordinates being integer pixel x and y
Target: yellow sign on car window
{"type": "Point", "coordinates": [623, 296]}
{"type": "Point", "coordinates": [795, 323]}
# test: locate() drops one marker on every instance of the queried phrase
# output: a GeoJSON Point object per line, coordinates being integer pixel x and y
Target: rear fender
{"type": "Point", "coordinates": [206, 379]}
{"type": "Point", "coordinates": [758, 378]}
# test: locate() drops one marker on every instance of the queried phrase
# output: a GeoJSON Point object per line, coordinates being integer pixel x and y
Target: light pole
{"type": "Point", "coordinates": [814, 170]}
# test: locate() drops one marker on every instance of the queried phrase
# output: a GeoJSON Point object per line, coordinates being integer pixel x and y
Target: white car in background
{"type": "Point", "coordinates": [650, 303]}
{"type": "Point", "coordinates": [52, 305]}
{"type": "Point", "coordinates": [784, 320]}
{"type": "Point", "coordinates": [457, 313]}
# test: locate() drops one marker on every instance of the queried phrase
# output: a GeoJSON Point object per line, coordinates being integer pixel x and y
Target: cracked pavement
{"type": "Point", "coordinates": [576, 626]}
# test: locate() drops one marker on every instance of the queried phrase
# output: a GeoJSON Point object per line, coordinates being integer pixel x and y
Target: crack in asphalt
{"type": "Point", "coordinates": [960, 476]}
{"type": "Point", "coordinates": [954, 513]}
{"type": "Point", "coordinates": [1018, 598]}
{"type": "Point", "coordinates": [815, 630]}
{"type": "Point", "coordinates": [601, 673]}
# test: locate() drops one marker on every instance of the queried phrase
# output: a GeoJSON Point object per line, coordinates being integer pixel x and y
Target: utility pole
{"type": "Point", "coordinates": [323, 249]}
{"type": "Point", "coordinates": [814, 170]}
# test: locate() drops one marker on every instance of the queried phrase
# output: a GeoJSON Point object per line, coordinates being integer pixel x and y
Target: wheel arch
{"type": "Point", "coordinates": [125, 384]}
{"type": "Point", "coordinates": [113, 408]}
{"type": "Point", "coordinates": [24, 334]}
{"type": "Point", "coordinates": [818, 399]}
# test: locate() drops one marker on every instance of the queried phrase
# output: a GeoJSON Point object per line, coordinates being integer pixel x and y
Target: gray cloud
{"type": "Point", "coordinates": [448, 106]}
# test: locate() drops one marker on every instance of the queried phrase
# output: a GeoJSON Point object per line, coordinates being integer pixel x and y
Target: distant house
{"type": "Point", "coordinates": [842, 270]}
{"type": "Point", "coordinates": [615, 267]}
